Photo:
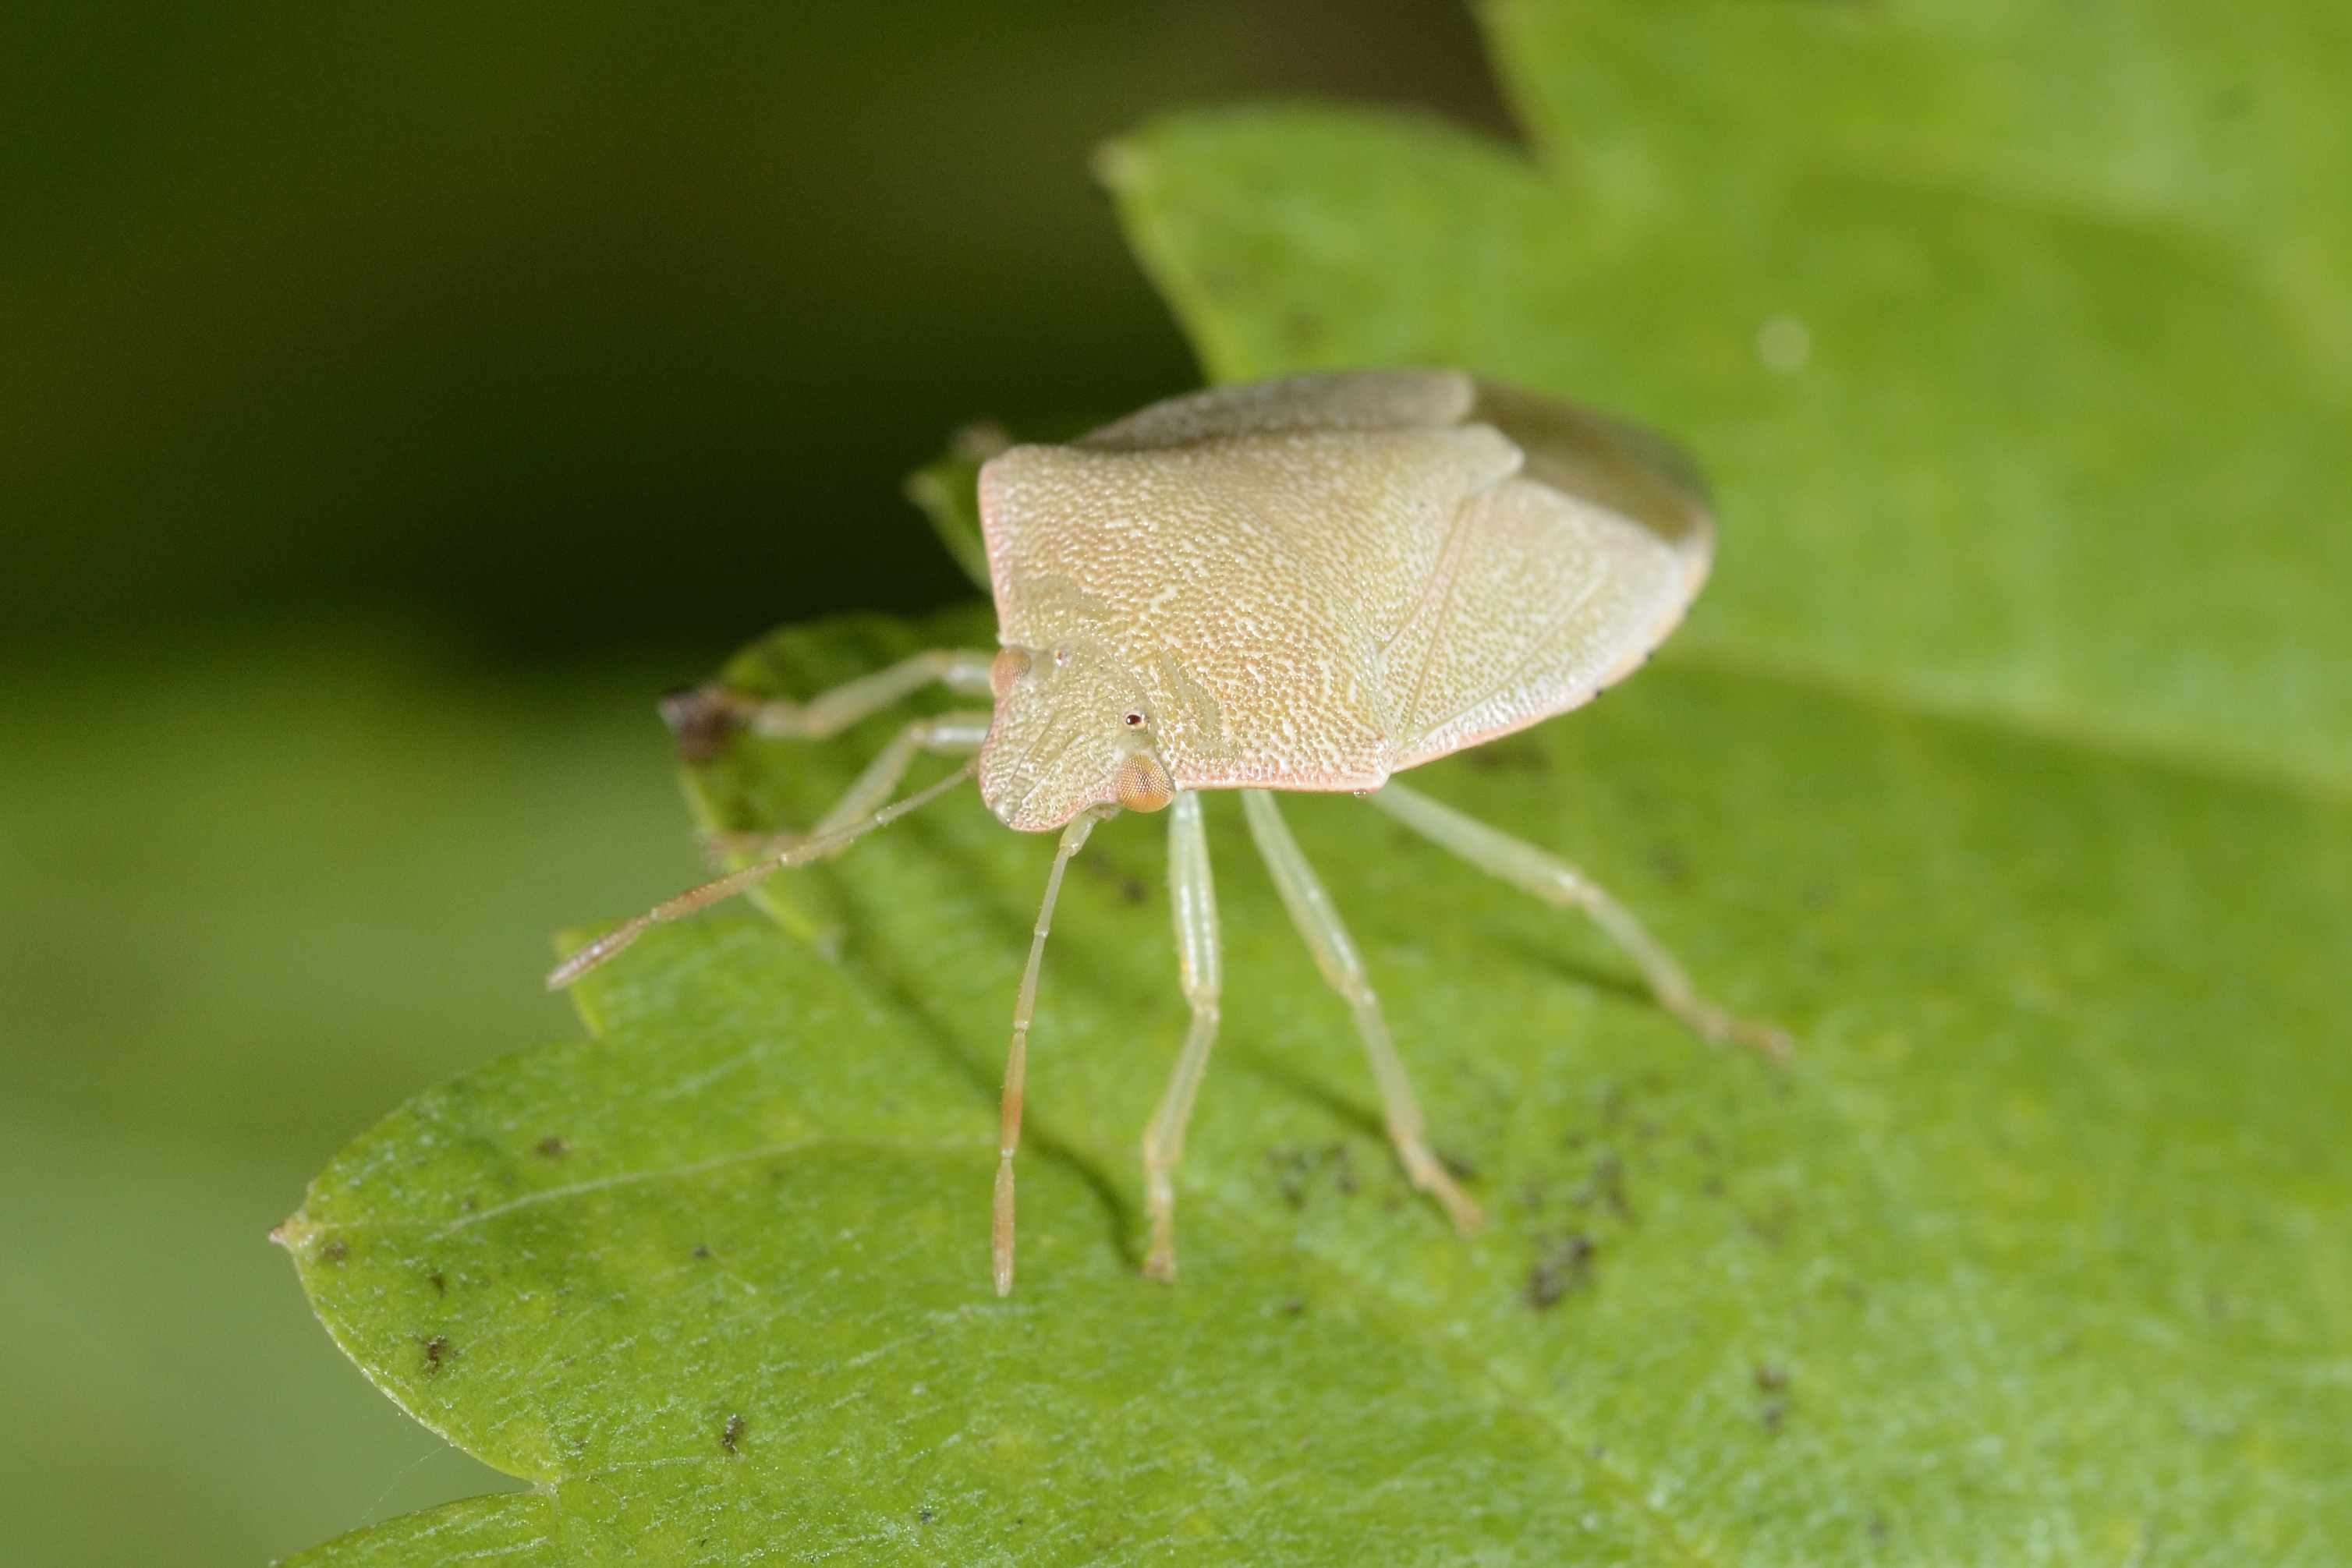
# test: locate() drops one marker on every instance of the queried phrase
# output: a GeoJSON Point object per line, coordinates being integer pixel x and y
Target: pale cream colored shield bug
{"type": "Point", "coordinates": [1304, 584]}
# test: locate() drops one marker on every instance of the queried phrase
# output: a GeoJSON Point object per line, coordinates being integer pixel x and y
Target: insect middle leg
{"type": "Point", "coordinates": [1193, 896]}
{"type": "Point", "coordinates": [1335, 954]}
{"type": "Point", "coordinates": [1561, 885]}
{"type": "Point", "coordinates": [950, 734]}
{"type": "Point", "coordinates": [705, 712]}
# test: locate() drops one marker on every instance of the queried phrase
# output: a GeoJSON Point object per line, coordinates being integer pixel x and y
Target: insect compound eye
{"type": "Point", "coordinates": [1143, 785]}
{"type": "Point", "coordinates": [1009, 665]}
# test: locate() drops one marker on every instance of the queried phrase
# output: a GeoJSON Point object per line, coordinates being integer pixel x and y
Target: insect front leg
{"type": "Point", "coordinates": [1016, 1055]}
{"type": "Point", "coordinates": [1192, 896]}
{"type": "Point", "coordinates": [604, 948]}
{"type": "Point", "coordinates": [1335, 954]}
{"type": "Point", "coordinates": [703, 717]}
{"type": "Point", "coordinates": [1557, 884]}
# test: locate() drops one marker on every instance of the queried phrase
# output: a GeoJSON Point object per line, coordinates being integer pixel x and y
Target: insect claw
{"type": "Point", "coordinates": [1775, 1045]}
{"type": "Point", "coordinates": [593, 954]}
{"type": "Point", "coordinates": [702, 719]}
{"type": "Point", "coordinates": [1460, 1208]}
{"type": "Point", "coordinates": [1767, 1040]}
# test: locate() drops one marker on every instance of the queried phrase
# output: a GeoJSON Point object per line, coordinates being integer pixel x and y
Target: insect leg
{"type": "Point", "coordinates": [694, 899]}
{"type": "Point", "coordinates": [701, 716]}
{"type": "Point", "coordinates": [1312, 911]}
{"type": "Point", "coordinates": [1016, 1057]}
{"type": "Point", "coordinates": [1564, 887]}
{"type": "Point", "coordinates": [1193, 896]}
{"type": "Point", "coordinates": [953, 734]}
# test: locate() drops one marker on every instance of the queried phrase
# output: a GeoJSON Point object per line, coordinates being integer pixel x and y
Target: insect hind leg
{"type": "Point", "coordinates": [1335, 954]}
{"type": "Point", "coordinates": [1561, 885]}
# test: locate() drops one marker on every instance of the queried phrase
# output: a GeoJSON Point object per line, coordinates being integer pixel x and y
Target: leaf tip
{"type": "Point", "coordinates": [1118, 165]}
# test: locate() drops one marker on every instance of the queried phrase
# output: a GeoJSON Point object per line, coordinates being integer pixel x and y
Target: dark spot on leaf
{"type": "Point", "coordinates": [731, 1435]}
{"type": "Point", "coordinates": [1304, 331]}
{"type": "Point", "coordinates": [1456, 1166]}
{"type": "Point", "coordinates": [700, 1250]}
{"type": "Point", "coordinates": [1131, 890]}
{"type": "Point", "coordinates": [335, 1250]}
{"type": "Point", "coordinates": [437, 1351]}
{"type": "Point", "coordinates": [1772, 1383]}
{"type": "Point", "coordinates": [1289, 1173]}
{"type": "Point", "coordinates": [1606, 1185]}
{"type": "Point", "coordinates": [1671, 867]}
{"type": "Point", "coordinates": [924, 1515]}
{"type": "Point", "coordinates": [552, 1147]}
{"type": "Point", "coordinates": [440, 1284]}
{"type": "Point", "coordinates": [1566, 1266]}
{"type": "Point", "coordinates": [1293, 1308]}
{"type": "Point", "coordinates": [1298, 1170]}
{"type": "Point", "coordinates": [1878, 1525]}
{"type": "Point", "coordinates": [1771, 1226]}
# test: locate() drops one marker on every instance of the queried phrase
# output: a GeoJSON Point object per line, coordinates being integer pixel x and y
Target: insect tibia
{"type": "Point", "coordinates": [593, 954]}
{"type": "Point", "coordinates": [719, 889]}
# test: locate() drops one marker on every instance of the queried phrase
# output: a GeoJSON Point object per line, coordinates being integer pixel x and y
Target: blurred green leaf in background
{"type": "Point", "coordinates": [2007, 761]}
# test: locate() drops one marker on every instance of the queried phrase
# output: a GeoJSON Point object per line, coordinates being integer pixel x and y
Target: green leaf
{"type": "Point", "coordinates": [944, 491]}
{"type": "Point", "coordinates": [2038, 1253]}
{"type": "Point", "coordinates": [2039, 1242]}
{"type": "Point", "coordinates": [2018, 340]}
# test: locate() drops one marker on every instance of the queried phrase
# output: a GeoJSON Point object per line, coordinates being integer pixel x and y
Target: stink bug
{"type": "Point", "coordinates": [1315, 584]}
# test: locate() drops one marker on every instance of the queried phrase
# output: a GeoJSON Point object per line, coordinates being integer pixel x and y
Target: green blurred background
{"type": "Point", "coordinates": [393, 401]}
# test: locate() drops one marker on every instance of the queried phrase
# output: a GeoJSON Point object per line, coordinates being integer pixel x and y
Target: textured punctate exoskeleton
{"type": "Point", "coordinates": [1304, 584]}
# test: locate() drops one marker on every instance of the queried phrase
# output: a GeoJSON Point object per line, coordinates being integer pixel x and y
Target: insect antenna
{"type": "Point", "coordinates": [1016, 1057]}
{"type": "Point", "coordinates": [696, 898]}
